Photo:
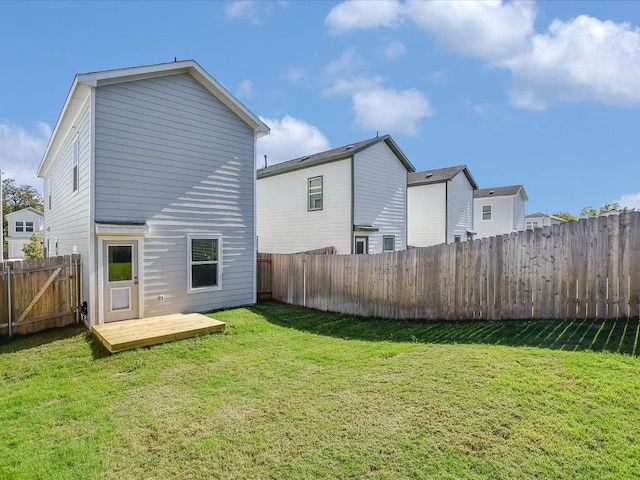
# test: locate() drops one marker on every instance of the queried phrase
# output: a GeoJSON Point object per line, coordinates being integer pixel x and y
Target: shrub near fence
{"type": "Point", "coordinates": [584, 269]}
{"type": "Point", "coordinates": [39, 294]}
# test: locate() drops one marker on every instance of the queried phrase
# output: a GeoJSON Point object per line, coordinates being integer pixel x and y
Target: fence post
{"type": "Point", "coordinates": [9, 299]}
{"type": "Point", "coordinates": [304, 280]}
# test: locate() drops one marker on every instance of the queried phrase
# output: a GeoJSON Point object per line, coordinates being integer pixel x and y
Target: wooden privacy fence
{"type": "Point", "coordinates": [584, 269]}
{"type": "Point", "coordinates": [39, 294]}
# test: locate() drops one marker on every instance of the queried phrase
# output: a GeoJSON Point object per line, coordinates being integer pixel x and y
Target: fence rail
{"type": "Point", "coordinates": [584, 269]}
{"type": "Point", "coordinates": [38, 294]}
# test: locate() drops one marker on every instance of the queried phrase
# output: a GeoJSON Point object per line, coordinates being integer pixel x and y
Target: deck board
{"type": "Point", "coordinates": [143, 332]}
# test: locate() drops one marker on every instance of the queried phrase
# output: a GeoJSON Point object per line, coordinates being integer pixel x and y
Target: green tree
{"type": "Point", "coordinates": [566, 216]}
{"type": "Point", "coordinates": [605, 209]}
{"type": "Point", "coordinates": [34, 249]}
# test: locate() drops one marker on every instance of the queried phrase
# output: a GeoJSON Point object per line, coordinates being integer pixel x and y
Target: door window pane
{"type": "Point", "coordinates": [120, 263]}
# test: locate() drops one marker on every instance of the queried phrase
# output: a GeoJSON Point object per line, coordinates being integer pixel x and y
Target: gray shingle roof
{"type": "Point", "coordinates": [510, 191]}
{"type": "Point", "coordinates": [332, 155]}
{"type": "Point", "coordinates": [439, 175]}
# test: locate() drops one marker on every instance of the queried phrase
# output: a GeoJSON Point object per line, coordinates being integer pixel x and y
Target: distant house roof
{"type": "Point", "coordinates": [83, 83]}
{"type": "Point", "coordinates": [333, 155]}
{"type": "Point", "coordinates": [545, 215]}
{"type": "Point", "coordinates": [439, 175]}
{"type": "Point", "coordinates": [510, 191]}
{"type": "Point", "coordinates": [28, 209]}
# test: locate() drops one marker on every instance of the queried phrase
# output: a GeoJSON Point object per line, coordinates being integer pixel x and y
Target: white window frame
{"type": "Point", "coordinates": [75, 176]}
{"type": "Point", "coordinates": [204, 236]}
{"type": "Point", "coordinates": [490, 212]}
{"type": "Point", "coordinates": [393, 239]}
{"type": "Point", "coordinates": [365, 240]}
{"type": "Point", "coordinates": [19, 227]}
{"type": "Point", "coordinates": [311, 208]}
{"type": "Point", "coordinates": [49, 191]}
{"type": "Point", "coordinates": [28, 227]}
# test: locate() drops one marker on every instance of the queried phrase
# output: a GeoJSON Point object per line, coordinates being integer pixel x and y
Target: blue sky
{"type": "Point", "coordinates": [544, 94]}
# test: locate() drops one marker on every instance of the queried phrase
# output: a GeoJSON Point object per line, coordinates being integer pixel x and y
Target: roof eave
{"type": "Point", "coordinates": [77, 96]}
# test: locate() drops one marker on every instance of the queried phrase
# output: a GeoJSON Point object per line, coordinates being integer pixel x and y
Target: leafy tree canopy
{"type": "Point", "coordinates": [34, 249]}
{"type": "Point", "coordinates": [566, 216]}
{"type": "Point", "coordinates": [605, 209]}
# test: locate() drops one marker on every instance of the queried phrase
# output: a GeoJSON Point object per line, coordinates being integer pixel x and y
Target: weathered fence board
{"type": "Point", "coordinates": [577, 270]}
{"type": "Point", "coordinates": [38, 294]}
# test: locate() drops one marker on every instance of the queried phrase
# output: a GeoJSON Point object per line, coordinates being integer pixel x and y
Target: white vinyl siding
{"type": "Point", "coordinates": [459, 207]}
{"type": "Point", "coordinates": [518, 213]}
{"type": "Point", "coordinates": [67, 224]}
{"type": "Point", "coordinates": [74, 165]}
{"type": "Point", "coordinates": [171, 154]}
{"type": "Point", "coordinates": [501, 216]}
{"type": "Point", "coordinates": [426, 211]}
{"type": "Point", "coordinates": [285, 225]}
{"type": "Point", "coordinates": [380, 195]}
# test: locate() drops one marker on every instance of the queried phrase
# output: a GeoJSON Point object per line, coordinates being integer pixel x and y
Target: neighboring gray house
{"type": "Point", "coordinates": [440, 206]}
{"type": "Point", "coordinates": [150, 176]}
{"type": "Point", "coordinates": [539, 220]}
{"type": "Point", "coordinates": [499, 210]}
{"type": "Point", "coordinates": [352, 197]}
{"type": "Point", "coordinates": [21, 225]}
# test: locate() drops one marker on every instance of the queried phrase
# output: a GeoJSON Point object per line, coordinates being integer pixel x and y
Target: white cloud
{"type": "Point", "coordinates": [394, 49]}
{"type": "Point", "coordinates": [489, 30]}
{"type": "Point", "coordinates": [294, 74]}
{"type": "Point", "coordinates": [252, 10]}
{"type": "Point", "coordinates": [630, 200]}
{"type": "Point", "coordinates": [375, 106]}
{"type": "Point", "coordinates": [245, 89]}
{"type": "Point", "coordinates": [347, 75]}
{"type": "Point", "coordinates": [361, 14]}
{"type": "Point", "coordinates": [585, 59]}
{"type": "Point", "coordinates": [21, 151]}
{"type": "Point", "coordinates": [389, 110]}
{"type": "Point", "coordinates": [289, 138]}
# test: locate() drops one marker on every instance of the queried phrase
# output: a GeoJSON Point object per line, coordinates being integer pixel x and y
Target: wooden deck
{"type": "Point", "coordinates": [128, 334]}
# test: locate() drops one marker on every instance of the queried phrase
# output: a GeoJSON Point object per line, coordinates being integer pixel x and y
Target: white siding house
{"type": "Point", "coordinates": [440, 206]}
{"type": "Point", "coordinates": [21, 225]}
{"type": "Point", "coordinates": [352, 197]}
{"type": "Point", "coordinates": [150, 176]}
{"type": "Point", "coordinates": [539, 220]}
{"type": "Point", "coordinates": [499, 210]}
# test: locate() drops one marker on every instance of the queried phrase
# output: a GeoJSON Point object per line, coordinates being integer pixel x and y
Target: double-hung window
{"type": "Point", "coordinates": [204, 262]}
{"type": "Point", "coordinates": [74, 163]}
{"type": "Point", "coordinates": [19, 226]}
{"type": "Point", "coordinates": [486, 212]}
{"type": "Point", "coordinates": [28, 227]}
{"type": "Point", "coordinates": [388, 243]}
{"type": "Point", "coordinates": [315, 193]}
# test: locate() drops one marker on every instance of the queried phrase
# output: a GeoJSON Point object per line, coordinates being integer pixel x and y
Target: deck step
{"type": "Point", "coordinates": [129, 334]}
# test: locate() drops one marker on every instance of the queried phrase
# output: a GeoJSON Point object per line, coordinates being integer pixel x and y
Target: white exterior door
{"type": "Point", "coordinates": [120, 270]}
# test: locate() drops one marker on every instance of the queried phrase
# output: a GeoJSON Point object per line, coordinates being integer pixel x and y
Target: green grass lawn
{"type": "Point", "coordinates": [287, 392]}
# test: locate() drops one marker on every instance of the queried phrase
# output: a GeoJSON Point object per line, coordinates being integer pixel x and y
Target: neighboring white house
{"type": "Point", "coordinates": [353, 198]}
{"type": "Point", "coordinates": [440, 206]}
{"type": "Point", "coordinates": [539, 219]}
{"type": "Point", "coordinates": [499, 210]}
{"type": "Point", "coordinates": [21, 225]}
{"type": "Point", "coordinates": [150, 176]}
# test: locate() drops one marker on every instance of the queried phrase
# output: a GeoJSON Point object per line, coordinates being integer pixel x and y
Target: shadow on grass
{"type": "Point", "coordinates": [621, 336]}
{"type": "Point", "coordinates": [37, 339]}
